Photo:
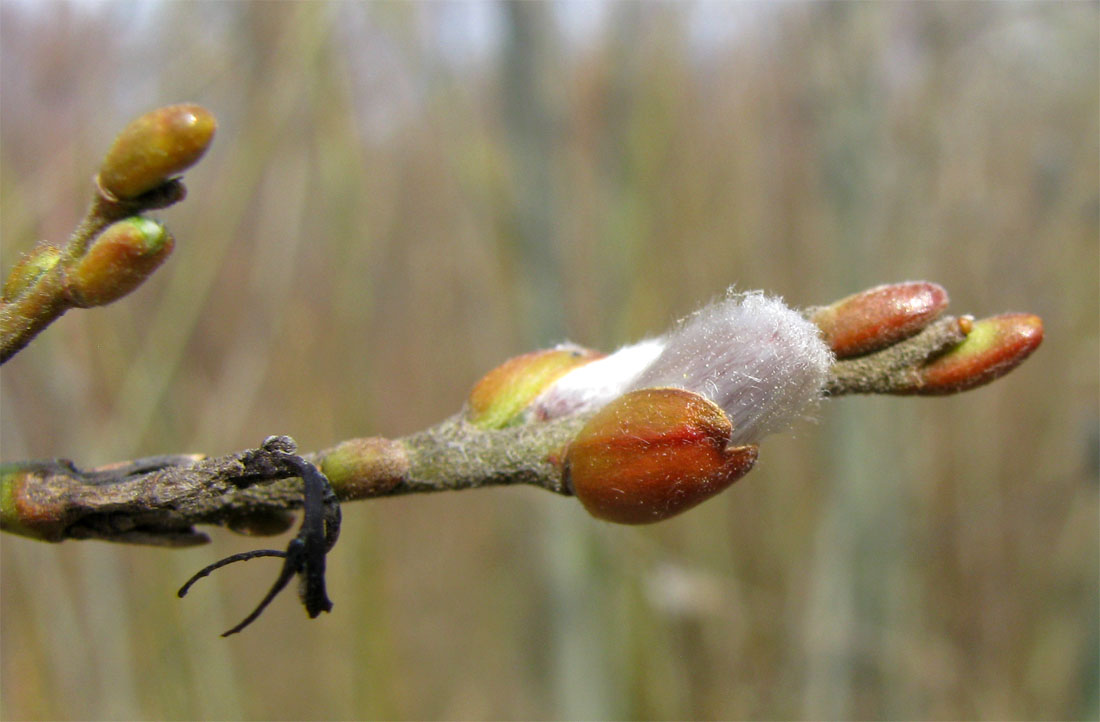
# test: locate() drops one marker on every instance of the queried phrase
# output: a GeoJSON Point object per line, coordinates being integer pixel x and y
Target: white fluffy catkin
{"type": "Point", "coordinates": [758, 359]}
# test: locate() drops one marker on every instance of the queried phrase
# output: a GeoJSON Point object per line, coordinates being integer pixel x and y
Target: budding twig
{"type": "Point", "coordinates": [160, 500]}
{"type": "Point", "coordinates": [107, 257]}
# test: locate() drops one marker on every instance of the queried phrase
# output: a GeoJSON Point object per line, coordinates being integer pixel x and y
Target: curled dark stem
{"type": "Point", "coordinates": [305, 554]}
{"type": "Point", "coordinates": [293, 557]}
{"type": "Point", "coordinates": [242, 557]}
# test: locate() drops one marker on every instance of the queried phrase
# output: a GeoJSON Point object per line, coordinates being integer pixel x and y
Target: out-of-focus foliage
{"type": "Point", "coordinates": [401, 196]}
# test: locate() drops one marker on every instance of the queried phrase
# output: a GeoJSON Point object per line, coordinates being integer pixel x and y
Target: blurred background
{"type": "Point", "coordinates": [400, 196]}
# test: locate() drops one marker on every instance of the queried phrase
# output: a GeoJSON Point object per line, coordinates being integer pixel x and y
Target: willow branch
{"type": "Point", "coordinates": [160, 500]}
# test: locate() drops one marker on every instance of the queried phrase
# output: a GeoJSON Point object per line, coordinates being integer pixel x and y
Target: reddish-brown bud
{"type": "Point", "coordinates": [499, 398]}
{"type": "Point", "coordinates": [879, 317]}
{"type": "Point", "coordinates": [154, 148]}
{"type": "Point", "coordinates": [30, 268]}
{"type": "Point", "coordinates": [652, 454]}
{"type": "Point", "coordinates": [118, 261]}
{"type": "Point", "coordinates": [993, 347]}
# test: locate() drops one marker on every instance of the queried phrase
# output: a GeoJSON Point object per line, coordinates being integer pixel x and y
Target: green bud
{"type": "Point", "coordinates": [118, 261]}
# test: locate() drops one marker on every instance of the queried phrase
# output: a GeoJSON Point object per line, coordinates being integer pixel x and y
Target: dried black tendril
{"type": "Point", "coordinates": [305, 554]}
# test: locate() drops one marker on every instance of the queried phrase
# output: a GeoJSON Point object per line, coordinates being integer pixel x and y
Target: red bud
{"type": "Point", "coordinates": [652, 454]}
{"type": "Point", "coordinates": [880, 316]}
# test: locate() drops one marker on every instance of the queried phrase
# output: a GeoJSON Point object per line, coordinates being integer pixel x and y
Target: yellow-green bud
{"type": "Point", "coordinates": [498, 399]}
{"type": "Point", "coordinates": [118, 261]}
{"type": "Point", "coordinates": [154, 148]}
{"type": "Point", "coordinates": [30, 267]}
{"type": "Point", "coordinates": [363, 468]}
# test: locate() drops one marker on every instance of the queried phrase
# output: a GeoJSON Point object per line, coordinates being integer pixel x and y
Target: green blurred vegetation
{"type": "Point", "coordinates": [400, 196]}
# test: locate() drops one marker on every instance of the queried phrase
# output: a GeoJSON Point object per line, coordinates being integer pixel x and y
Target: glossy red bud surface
{"type": "Point", "coordinates": [652, 454]}
{"type": "Point", "coordinates": [879, 317]}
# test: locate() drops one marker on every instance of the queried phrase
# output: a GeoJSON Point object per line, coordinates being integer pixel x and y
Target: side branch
{"type": "Point", "coordinates": [49, 280]}
{"type": "Point", "coordinates": [114, 249]}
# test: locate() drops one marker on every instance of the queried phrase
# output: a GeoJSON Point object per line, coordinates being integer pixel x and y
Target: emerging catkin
{"type": "Point", "coordinates": [750, 353]}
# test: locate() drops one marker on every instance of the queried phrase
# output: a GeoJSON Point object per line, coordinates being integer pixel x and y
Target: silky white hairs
{"type": "Point", "coordinates": [761, 361]}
